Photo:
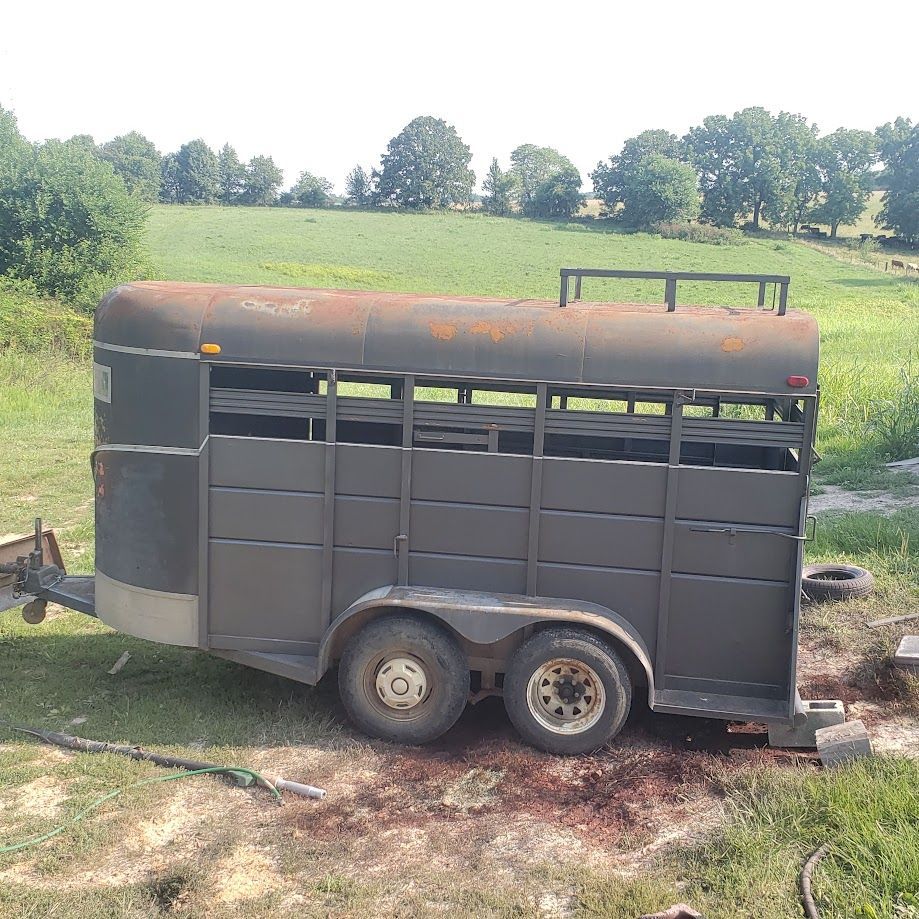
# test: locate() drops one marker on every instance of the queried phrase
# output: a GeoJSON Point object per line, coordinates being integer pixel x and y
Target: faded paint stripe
{"type": "Point", "coordinates": [147, 352]}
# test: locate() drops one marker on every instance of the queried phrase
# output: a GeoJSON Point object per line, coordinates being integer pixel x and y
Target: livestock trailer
{"type": "Point", "coordinates": [451, 497]}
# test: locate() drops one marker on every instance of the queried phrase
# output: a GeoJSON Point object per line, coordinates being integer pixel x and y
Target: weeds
{"type": "Point", "coordinates": [894, 423]}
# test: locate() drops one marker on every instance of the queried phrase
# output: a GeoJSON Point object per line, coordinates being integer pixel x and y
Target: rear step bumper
{"type": "Point", "coordinates": [713, 705]}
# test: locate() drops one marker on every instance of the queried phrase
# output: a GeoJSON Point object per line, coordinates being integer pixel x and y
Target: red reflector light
{"type": "Point", "coordinates": [797, 382]}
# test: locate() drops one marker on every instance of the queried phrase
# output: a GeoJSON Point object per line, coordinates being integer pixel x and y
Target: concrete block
{"type": "Point", "coordinates": [818, 713]}
{"type": "Point", "coordinates": [843, 742]}
{"type": "Point", "coordinates": [907, 655]}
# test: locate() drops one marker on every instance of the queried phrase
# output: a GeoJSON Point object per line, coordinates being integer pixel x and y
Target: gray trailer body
{"type": "Point", "coordinates": [494, 464]}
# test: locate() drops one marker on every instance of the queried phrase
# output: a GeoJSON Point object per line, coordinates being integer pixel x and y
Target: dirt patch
{"type": "Point", "coordinates": [245, 874]}
{"type": "Point", "coordinates": [839, 500]}
{"type": "Point", "coordinates": [42, 797]}
{"type": "Point", "coordinates": [161, 830]}
{"type": "Point", "coordinates": [896, 735]}
{"type": "Point", "coordinates": [473, 790]}
{"type": "Point", "coordinates": [654, 775]}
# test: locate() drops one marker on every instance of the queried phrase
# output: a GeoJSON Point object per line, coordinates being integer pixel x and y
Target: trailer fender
{"type": "Point", "coordinates": [483, 618]}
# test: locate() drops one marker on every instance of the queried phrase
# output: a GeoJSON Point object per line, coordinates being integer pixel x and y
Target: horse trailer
{"type": "Point", "coordinates": [453, 497]}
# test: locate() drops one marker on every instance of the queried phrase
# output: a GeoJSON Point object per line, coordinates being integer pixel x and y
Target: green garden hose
{"type": "Point", "coordinates": [237, 773]}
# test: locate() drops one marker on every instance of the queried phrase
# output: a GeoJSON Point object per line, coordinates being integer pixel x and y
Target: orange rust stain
{"type": "Point", "coordinates": [732, 344]}
{"type": "Point", "coordinates": [497, 330]}
{"type": "Point", "coordinates": [443, 330]}
{"type": "Point", "coordinates": [487, 328]}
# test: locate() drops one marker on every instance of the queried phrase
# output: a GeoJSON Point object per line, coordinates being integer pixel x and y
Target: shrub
{"type": "Point", "coordinates": [701, 233]}
{"type": "Point", "coordinates": [67, 222]}
{"type": "Point", "coordinates": [658, 189]}
{"type": "Point", "coordinates": [29, 323]}
{"type": "Point", "coordinates": [559, 196]}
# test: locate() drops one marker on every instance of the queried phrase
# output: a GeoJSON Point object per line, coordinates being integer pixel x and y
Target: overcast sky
{"type": "Point", "coordinates": [322, 86]}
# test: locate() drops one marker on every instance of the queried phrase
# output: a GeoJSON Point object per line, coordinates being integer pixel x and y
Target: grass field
{"type": "Point", "coordinates": [477, 825]}
{"type": "Point", "coordinates": [869, 321]}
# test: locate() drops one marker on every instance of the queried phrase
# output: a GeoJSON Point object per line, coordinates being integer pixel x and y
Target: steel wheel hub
{"type": "Point", "coordinates": [401, 682]}
{"type": "Point", "coordinates": [565, 696]}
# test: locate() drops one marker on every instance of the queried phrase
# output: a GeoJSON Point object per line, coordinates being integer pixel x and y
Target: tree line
{"type": "Point", "coordinates": [740, 170]}
{"type": "Point", "coordinates": [72, 213]}
{"type": "Point", "coordinates": [756, 166]}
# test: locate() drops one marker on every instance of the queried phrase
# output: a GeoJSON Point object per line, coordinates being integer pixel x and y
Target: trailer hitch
{"type": "Point", "coordinates": [29, 576]}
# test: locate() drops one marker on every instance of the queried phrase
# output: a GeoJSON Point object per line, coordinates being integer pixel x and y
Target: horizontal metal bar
{"type": "Point", "coordinates": [675, 275]}
{"type": "Point", "coordinates": [507, 418]}
{"type": "Point", "coordinates": [455, 414]}
{"type": "Point", "coordinates": [695, 430]}
{"type": "Point", "coordinates": [451, 437]}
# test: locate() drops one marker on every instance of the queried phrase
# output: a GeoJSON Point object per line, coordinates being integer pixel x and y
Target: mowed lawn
{"type": "Point", "coordinates": [453, 831]}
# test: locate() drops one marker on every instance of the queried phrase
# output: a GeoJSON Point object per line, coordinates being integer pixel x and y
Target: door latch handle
{"type": "Point", "coordinates": [396, 541]}
{"type": "Point", "coordinates": [731, 531]}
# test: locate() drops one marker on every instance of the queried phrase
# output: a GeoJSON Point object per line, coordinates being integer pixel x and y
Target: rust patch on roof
{"type": "Point", "coordinates": [294, 308]}
{"type": "Point", "coordinates": [443, 330]}
{"type": "Point", "coordinates": [493, 330]}
{"type": "Point", "coordinates": [732, 344]}
{"type": "Point", "coordinates": [497, 330]}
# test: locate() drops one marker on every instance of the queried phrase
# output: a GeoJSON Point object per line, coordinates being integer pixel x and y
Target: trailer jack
{"type": "Point", "coordinates": [37, 576]}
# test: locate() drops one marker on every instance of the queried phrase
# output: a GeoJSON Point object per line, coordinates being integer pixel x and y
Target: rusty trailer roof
{"type": "Point", "coordinates": [721, 349]}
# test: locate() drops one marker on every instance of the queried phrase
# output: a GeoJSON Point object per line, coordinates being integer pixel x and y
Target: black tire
{"type": "Point", "coordinates": [820, 583]}
{"type": "Point", "coordinates": [541, 716]}
{"type": "Point", "coordinates": [422, 647]}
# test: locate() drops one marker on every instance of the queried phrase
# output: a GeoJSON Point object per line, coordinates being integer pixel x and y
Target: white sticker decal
{"type": "Point", "coordinates": [102, 382]}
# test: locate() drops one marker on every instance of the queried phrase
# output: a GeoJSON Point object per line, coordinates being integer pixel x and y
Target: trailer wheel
{"type": "Point", "coordinates": [566, 691]}
{"type": "Point", "coordinates": [403, 679]}
{"type": "Point", "coordinates": [835, 582]}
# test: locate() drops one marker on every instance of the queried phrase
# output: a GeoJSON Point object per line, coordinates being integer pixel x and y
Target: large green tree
{"type": "Point", "coordinates": [190, 175]}
{"type": "Point", "coordinates": [137, 161]}
{"type": "Point", "coordinates": [261, 182]}
{"type": "Point", "coordinates": [14, 148]}
{"type": "Point", "coordinates": [499, 191]}
{"type": "Point", "coordinates": [614, 179]}
{"type": "Point", "coordinates": [426, 165]}
{"type": "Point", "coordinates": [750, 164]}
{"type": "Point", "coordinates": [797, 178]}
{"type": "Point", "coordinates": [231, 175]}
{"type": "Point", "coordinates": [899, 150]}
{"type": "Point", "coordinates": [710, 148]}
{"type": "Point", "coordinates": [844, 160]}
{"type": "Point", "coordinates": [67, 222]}
{"type": "Point", "coordinates": [531, 166]}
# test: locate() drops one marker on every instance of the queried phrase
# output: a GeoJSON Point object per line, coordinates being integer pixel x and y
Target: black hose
{"type": "Point", "coordinates": [241, 777]}
{"type": "Point", "coordinates": [98, 746]}
{"type": "Point", "coordinates": [807, 898]}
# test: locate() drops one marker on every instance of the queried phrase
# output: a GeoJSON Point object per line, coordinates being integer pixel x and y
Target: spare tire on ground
{"type": "Point", "coordinates": [835, 582]}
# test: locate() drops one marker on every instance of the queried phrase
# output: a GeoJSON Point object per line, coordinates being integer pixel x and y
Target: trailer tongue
{"type": "Point", "coordinates": [32, 574]}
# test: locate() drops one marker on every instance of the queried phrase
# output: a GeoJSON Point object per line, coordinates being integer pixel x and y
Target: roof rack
{"type": "Point", "coordinates": [671, 277]}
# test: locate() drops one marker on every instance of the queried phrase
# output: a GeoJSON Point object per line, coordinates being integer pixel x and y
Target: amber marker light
{"type": "Point", "coordinates": [209, 348]}
{"type": "Point", "coordinates": [796, 382]}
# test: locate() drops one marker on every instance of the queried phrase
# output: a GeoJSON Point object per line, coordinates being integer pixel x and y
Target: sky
{"type": "Point", "coordinates": [324, 86]}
